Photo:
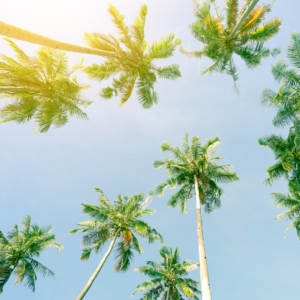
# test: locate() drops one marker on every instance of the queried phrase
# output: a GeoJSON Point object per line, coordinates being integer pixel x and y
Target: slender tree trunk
{"type": "Point", "coordinates": [205, 287]}
{"type": "Point", "coordinates": [90, 282]}
{"type": "Point", "coordinates": [168, 294]}
{"type": "Point", "coordinates": [17, 33]}
{"type": "Point", "coordinates": [243, 17]}
{"type": "Point", "coordinates": [8, 89]}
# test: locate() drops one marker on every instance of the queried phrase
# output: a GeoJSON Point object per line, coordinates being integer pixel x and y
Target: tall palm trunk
{"type": "Point", "coordinates": [243, 17]}
{"type": "Point", "coordinates": [8, 89]}
{"type": "Point", "coordinates": [90, 282]}
{"type": "Point", "coordinates": [17, 33]}
{"type": "Point", "coordinates": [168, 294]}
{"type": "Point", "coordinates": [205, 287]}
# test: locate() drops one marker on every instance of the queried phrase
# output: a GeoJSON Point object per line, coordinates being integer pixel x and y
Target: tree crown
{"type": "Point", "coordinates": [194, 162]}
{"type": "Point", "coordinates": [168, 279]}
{"type": "Point", "coordinates": [136, 69]}
{"type": "Point", "coordinates": [18, 250]}
{"type": "Point", "coordinates": [233, 30]}
{"type": "Point", "coordinates": [41, 88]}
{"type": "Point", "coordinates": [122, 218]}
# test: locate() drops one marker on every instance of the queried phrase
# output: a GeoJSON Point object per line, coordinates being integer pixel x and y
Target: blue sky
{"type": "Point", "coordinates": [49, 175]}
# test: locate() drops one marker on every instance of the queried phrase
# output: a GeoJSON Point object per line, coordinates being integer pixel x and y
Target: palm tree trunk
{"type": "Point", "coordinates": [90, 282]}
{"type": "Point", "coordinates": [242, 19]}
{"type": "Point", "coordinates": [17, 33]}
{"type": "Point", "coordinates": [205, 287]}
{"type": "Point", "coordinates": [8, 89]}
{"type": "Point", "coordinates": [168, 294]}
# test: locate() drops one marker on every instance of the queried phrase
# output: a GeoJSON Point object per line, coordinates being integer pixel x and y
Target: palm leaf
{"type": "Point", "coordinates": [293, 49]}
{"type": "Point", "coordinates": [4, 278]}
{"type": "Point", "coordinates": [266, 31]}
{"type": "Point", "coordinates": [124, 256]}
{"type": "Point", "coordinates": [231, 12]}
{"type": "Point", "coordinates": [123, 30]}
{"type": "Point", "coordinates": [163, 48]}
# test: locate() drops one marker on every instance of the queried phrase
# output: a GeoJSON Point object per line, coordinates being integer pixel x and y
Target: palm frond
{"type": "Point", "coordinates": [231, 12]}
{"type": "Point", "coordinates": [103, 71]}
{"type": "Point", "coordinates": [145, 91]}
{"type": "Point", "coordinates": [163, 48]}
{"type": "Point", "coordinates": [86, 253]}
{"type": "Point", "coordinates": [171, 72]}
{"type": "Point", "coordinates": [103, 42]}
{"type": "Point", "coordinates": [293, 50]}
{"type": "Point", "coordinates": [123, 30]}
{"type": "Point", "coordinates": [4, 277]}
{"type": "Point", "coordinates": [138, 29]}
{"type": "Point", "coordinates": [265, 32]}
{"type": "Point", "coordinates": [124, 256]}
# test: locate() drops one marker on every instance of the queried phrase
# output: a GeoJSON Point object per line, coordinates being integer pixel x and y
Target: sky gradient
{"type": "Point", "coordinates": [49, 175]}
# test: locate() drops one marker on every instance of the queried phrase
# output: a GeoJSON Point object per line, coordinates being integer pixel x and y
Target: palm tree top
{"type": "Point", "coordinates": [194, 162]}
{"type": "Point", "coordinates": [41, 88]}
{"type": "Point", "coordinates": [233, 30]}
{"type": "Point", "coordinates": [292, 203]}
{"type": "Point", "coordinates": [168, 279]}
{"type": "Point", "coordinates": [286, 100]}
{"type": "Point", "coordinates": [20, 248]}
{"type": "Point", "coordinates": [287, 155]}
{"type": "Point", "coordinates": [123, 218]}
{"type": "Point", "coordinates": [138, 69]}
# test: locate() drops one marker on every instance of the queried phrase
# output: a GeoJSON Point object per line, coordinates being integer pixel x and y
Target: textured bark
{"type": "Point", "coordinates": [17, 33]}
{"type": "Point", "coordinates": [168, 294]}
{"type": "Point", "coordinates": [90, 282]}
{"type": "Point", "coordinates": [205, 287]}
{"type": "Point", "coordinates": [242, 19]}
{"type": "Point", "coordinates": [8, 89]}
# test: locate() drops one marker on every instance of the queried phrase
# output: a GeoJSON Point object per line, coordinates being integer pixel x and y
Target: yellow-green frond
{"type": "Point", "coordinates": [266, 31]}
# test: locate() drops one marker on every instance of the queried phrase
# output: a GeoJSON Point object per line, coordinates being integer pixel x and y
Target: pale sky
{"type": "Point", "coordinates": [49, 175]}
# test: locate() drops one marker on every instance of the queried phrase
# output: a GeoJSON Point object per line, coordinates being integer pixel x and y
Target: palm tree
{"type": "Point", "coordinates": [18, 33]}
{"type": "Point", "coordinates": [134, 64]}
{"type": "Point", "coordinates": [292, 202]}
{"type": "Point", "coordinates": [286, 100]}
{"type": "Point", "coordinates": [20, 248]}
{"type": "Point", "coordinates": [287, 155]}
{"type": "Point", "coordinates": [233, 31]}
{"type": "Point", "coordinates": [120, 220]}
{"type": "Point", "coordinates": [168, 278]}
{"type": "Point", "coordinates": [41, 89]}
{"type": "Point", "coordinates": [194, 169]}
{"type": "Point", "coordinates": [143, 74]}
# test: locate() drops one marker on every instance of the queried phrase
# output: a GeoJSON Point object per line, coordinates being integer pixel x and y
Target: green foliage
{"type": "Point", "coordinates": [168, 279]}
{"type": "Point", "coordinates": [122, 218]}
{"type": "Point", "coordinates": [222, 36]}
{"type": "Point", "coordinates": [286, 100]}
{"type": "Point", "coordinates": [18, 250]}
{"type": "Point", "coordinates": [292, 203]}
{"type": "Point", "coordinates": [190, 161]}
{"type": "Point", "coordinates": [287, 153]}
{"type": "Point", "coordinates": [40, 88]}
{"type": "Point", "coordinates": [133, 65]}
